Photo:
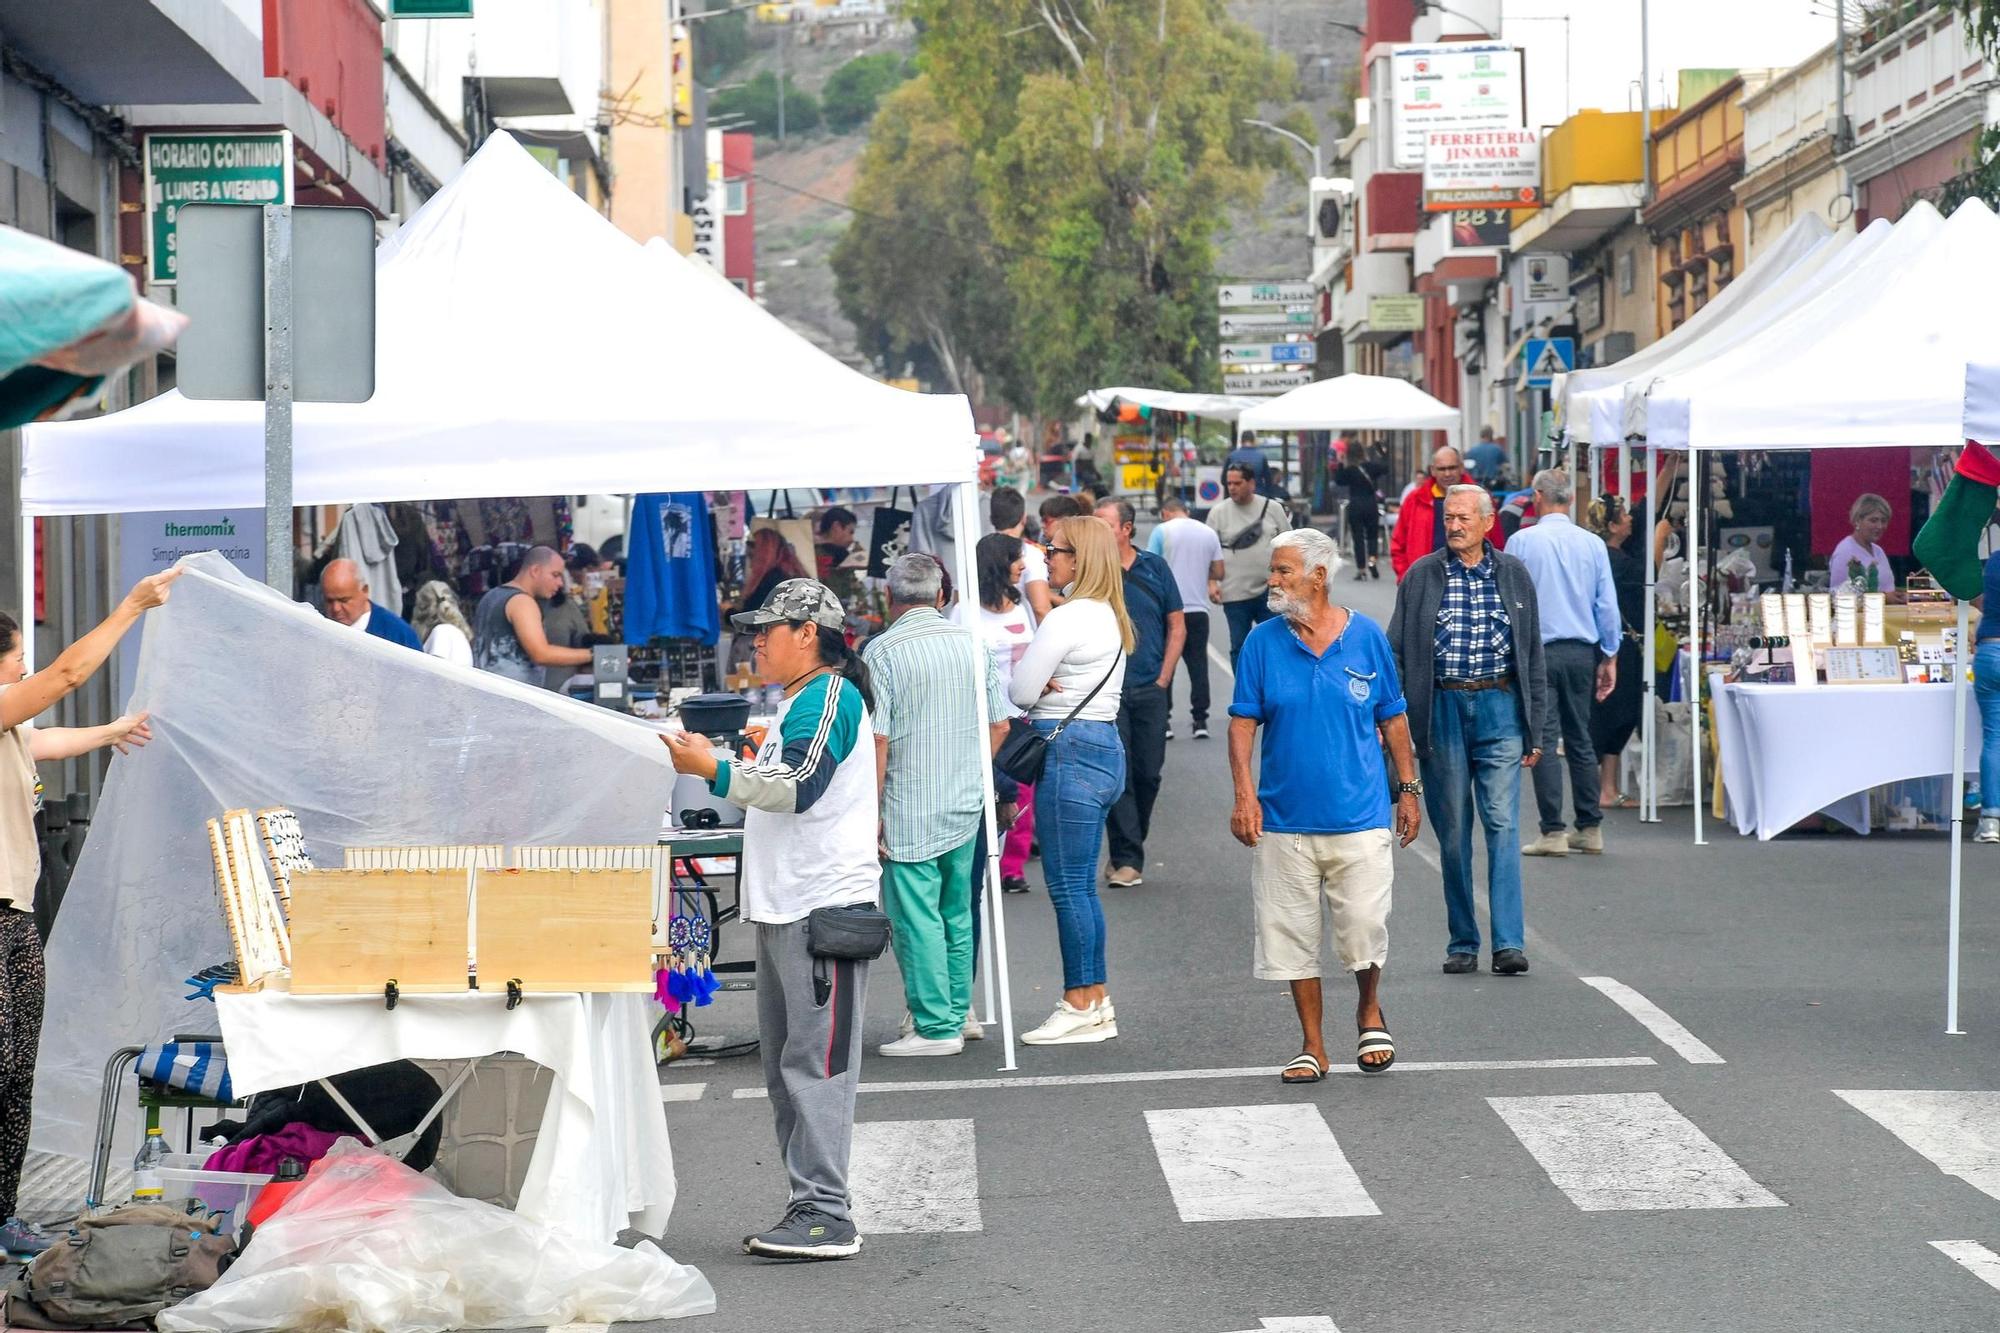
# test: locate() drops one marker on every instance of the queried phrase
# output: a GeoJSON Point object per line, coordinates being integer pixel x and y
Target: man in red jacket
{"type": "Point", "coordinates": [1420, 521]}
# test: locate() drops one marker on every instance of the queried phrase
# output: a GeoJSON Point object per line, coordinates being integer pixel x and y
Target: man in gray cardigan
{"type": "Point", "coordinates": [1468, 643]}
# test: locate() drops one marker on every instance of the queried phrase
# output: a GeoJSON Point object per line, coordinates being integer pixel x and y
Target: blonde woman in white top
{"type": "Point", "coordinates": [1079, 646]}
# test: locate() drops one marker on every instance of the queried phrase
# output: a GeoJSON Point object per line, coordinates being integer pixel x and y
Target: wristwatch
{"type": "Point", "coordinates": [1408, 788]}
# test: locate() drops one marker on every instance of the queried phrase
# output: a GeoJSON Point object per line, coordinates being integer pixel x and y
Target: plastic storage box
{"type": "Point", "coordinates": [227, 1193]}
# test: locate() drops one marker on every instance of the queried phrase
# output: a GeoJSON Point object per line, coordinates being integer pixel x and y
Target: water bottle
{"type": "Point", "coordinates": [147, 1186]}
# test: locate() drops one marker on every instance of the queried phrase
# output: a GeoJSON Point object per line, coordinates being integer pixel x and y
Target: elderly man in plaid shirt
{"type": "Point", "coordinates": [929, 753]}
{"type": "Point", "coordinates": [1468, 643]}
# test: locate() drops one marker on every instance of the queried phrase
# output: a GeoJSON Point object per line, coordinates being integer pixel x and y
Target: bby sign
{"type": "Point", "coordinates": [230, 168]}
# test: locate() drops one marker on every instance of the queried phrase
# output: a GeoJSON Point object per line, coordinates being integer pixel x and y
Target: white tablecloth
{"type": "Point", "coordinates": [601, 1162]}
{"type": "Point", "coordinates": [1789, 752]}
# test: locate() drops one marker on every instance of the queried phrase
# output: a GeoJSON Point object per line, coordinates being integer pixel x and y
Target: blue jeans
{"type": "Point", "coordinates": [1475, 762]}
{"type": "Point", "coordinates": [1986, 688]}
{"type": "Point", "coordinates": [1243, 617]}
{"type": "Point", "coordinates": [1083, 779]}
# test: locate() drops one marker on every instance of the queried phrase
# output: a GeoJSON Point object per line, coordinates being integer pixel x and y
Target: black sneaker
{"type": "Point", "coordinates": [806, 1233]}
{"type": "Point", "coordinates": [1510, 962]}
{"type": "Point", "coordinates": [1457, 963]}
{"type": "Point", "coordinates": [1013, 884]}
{"type": "Point", "coordinates": [1201, 731]}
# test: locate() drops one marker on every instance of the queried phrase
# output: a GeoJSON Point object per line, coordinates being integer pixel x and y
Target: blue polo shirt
{"type": "Point", "coordinates": [1322, 770]}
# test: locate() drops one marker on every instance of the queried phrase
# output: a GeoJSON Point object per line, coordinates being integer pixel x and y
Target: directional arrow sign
{"type": "Point", "coordinates": [1264, 293]}
{"type": "Point", "coordinates": [1259, 354]}
{"type": "Point", "coordinates": [1237, 324]}
{"type": "Point", "coordinates": [1277, 381]}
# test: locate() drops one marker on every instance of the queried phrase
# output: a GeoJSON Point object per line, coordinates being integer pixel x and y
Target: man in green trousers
{"type": "Point", "coordinates": [930, 752]}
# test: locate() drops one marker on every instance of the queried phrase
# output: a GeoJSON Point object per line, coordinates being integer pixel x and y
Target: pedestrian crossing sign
{"type": "Point", "coordinates": [1546, 358]}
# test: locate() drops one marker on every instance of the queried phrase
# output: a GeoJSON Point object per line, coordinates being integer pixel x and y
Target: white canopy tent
{"type": "Point", "coordinates": [1583, 419]}
{"type": "Point", "coordinates": [1218, 406]}
{"type": "Point", "coordinates": [527, 347]}
{"type": "Point", "coordinates": [1354, 402]}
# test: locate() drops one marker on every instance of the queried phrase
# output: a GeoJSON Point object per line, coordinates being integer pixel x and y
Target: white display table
{"type": "Point", "coordinates": [601, 1161]}
{"type": "Point", "coordinates": [1789, 752]}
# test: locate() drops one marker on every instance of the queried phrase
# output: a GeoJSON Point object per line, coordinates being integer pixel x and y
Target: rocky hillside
{"type": "Point", "coordinates": [803, 183]}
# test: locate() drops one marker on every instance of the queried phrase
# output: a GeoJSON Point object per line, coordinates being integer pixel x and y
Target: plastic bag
{"type": "Point", "coordinates": [1676, 767]}
{"type": "Point", "coordinates": [368, 1245]}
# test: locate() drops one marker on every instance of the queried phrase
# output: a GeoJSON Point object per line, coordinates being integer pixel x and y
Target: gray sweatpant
{"type": "Point", "coordinates": [812, 1059]}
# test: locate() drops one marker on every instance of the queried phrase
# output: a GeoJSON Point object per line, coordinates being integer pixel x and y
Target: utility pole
{"type": "Point", "coordinates": [1645, 104]}
{"type": "Point", "coordinates": [783, 33]}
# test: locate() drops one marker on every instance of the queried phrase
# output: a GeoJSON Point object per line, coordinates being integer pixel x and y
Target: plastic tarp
{"type": "Point", "coordinates": [1218, 406]}
{"type": "Point", "coordinates": [257, 701]}
{"type": "Point", "coordinates": [1353, 402]}
{"type": "Point", "coordinates": [1804, 238]}
{"type": "Point", "coordinates": [525, 346]}
{"type": "Point", "coordinates": [367, 1245]}
{"type": "Point", "coordinates": [1877, 359]}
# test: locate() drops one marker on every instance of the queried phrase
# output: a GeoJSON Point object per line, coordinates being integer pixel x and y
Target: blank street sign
{"type": "Point", "coordinates": [221, 250]}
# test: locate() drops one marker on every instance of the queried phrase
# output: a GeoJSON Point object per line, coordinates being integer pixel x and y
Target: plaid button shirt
{"type": "Point", "coordinates": [1475, 637]}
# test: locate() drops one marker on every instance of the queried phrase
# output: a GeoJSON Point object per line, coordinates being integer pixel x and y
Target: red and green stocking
{"type": "Point", "coordinates": [1949, 542]}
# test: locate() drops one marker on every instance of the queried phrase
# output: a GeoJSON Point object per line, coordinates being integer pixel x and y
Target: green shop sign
{"type": "Point", "coordinates": [246, 167]}
{"type": "Point", "coordinates": [430, 9]}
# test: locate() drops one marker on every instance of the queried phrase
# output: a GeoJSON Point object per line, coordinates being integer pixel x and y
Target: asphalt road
{"type": "Point", "coordinates": [1481, 1184]}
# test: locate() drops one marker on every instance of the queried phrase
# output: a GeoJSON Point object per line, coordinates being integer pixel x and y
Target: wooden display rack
{"type": "Point", "coordinates": [364, 932]}
{"type": "Point", "coordinates": [565, 930]}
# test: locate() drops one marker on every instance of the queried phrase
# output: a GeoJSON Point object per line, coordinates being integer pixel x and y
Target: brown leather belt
{"type": "Point", "coordinates": [1474, 686]}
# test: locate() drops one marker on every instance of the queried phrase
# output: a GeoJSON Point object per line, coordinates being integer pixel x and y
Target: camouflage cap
{"type": "Point", "coordinates": [797, 601]}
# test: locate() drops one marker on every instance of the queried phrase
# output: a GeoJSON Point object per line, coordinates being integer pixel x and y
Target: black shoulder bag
{"type": "Point", "coordinates": [1025, 751]}
{"type": "Point", "coordinates": [1248, 536]}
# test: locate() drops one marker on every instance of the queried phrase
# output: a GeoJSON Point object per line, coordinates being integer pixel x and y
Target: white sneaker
{"type": "Point", "coordinates": [973, 1030]}
{"type": "Point", "coordinates": [1549, 844]}
{"type": "Point", "coordinates": [917, 1044]}
{"type": "Point", "coordinates": [1103, 1007]}
{"type": "Point", "coordinates": [1069, 1025]}
{"type": "Point", "coordinates": [1170, 731]}
{"type": "Point", "coordinates": [908, 1026]}
{"type": "Point", "coordinates": [1989, 829]}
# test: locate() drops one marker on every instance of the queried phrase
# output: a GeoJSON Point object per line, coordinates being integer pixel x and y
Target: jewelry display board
{"type": "Point", "coordinates": [354, 932]}
{"type": "Point", "coordinates": [566, 930]}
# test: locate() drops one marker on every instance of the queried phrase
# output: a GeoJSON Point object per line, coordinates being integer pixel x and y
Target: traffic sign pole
{"type": "Point", "coordinates": [278, 557]}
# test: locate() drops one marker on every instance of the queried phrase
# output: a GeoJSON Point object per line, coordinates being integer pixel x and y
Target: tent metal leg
{"type": "Point", "coordinates": [1697, 490]}
{"type": "Point", "coordinates": [965, 527]}
{"type": "Point", "coordinates": [26, 565]}
{"type": "Point", "coordinates": [1649, 772]}
{"type": "Point", "coordinates": [1961, 659]}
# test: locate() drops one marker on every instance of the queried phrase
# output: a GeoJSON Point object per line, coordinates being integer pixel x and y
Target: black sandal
{"type": "Point", "coordinates": [1374, 1041]}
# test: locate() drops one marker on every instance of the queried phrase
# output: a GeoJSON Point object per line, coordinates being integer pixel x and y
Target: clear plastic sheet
{"type": "Point", "coordinates": [258, 701]}
{"type": "Point", "coordinates": [367, 1245]}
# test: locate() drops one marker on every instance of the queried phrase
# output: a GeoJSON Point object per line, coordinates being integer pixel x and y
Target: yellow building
{"type": "Point", "coordinates": [1696, 218]}
{"type": "Point", "coordinates": [643, 141]}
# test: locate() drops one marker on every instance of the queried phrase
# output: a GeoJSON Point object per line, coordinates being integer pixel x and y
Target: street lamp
{"type": "Point", "coordinates": [1306, 144]}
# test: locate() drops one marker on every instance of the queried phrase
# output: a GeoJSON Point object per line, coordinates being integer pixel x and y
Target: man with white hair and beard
{"type": "Point", "coordinates": [1322, 682]}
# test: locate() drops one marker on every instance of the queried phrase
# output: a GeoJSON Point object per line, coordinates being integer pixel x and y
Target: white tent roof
{"type": "Point", "coordinates": [1982, 402]}
{"type": "Point", "coordinates": [1219, 406]}
{"type": "Point", "coordinates": [1876, 359]}
{"type": "Point", "coordinates": [525, 346]}
{"type": "Point", "coordinates": [1803, 239]}
{"type": "Point", "coordinates": [1353, 402]}
{"type": "Point", "coordinates": [1619, 411]}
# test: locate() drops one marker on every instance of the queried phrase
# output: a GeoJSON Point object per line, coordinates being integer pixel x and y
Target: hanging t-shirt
{"type": "Point", "coordinates": [670, 570]}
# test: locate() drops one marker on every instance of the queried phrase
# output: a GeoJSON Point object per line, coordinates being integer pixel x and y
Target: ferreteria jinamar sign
{"type": "Point", "coordinates": [252, 167]}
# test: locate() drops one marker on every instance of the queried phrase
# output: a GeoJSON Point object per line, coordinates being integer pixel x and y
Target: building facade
{"type": "Point", "coordinates": [1790, 169]}
{"type": "Point", "coordinates": [1694, 216]}
{"type": "Point", "coordinates": [1918, 96]}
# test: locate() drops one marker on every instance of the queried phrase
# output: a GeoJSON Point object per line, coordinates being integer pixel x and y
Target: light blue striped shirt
{"type": "Point", "coordinates": [921, 670]}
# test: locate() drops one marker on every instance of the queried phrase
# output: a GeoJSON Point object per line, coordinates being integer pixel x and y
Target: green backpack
{"type": "Point", "coordinates": [119, 1269]}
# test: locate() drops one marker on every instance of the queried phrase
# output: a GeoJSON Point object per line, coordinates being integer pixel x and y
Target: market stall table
{"type": "Point", "coordinates": [601, 1162]}
{"type": "Point", "coordinates": [1789, 752]}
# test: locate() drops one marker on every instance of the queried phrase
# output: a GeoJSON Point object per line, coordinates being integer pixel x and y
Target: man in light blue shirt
{"type": "Point", "coordinates": [1580, 629]}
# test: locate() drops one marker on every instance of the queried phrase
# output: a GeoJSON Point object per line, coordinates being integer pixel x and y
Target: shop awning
{"type": "Point", "coordinates": [525, 346]}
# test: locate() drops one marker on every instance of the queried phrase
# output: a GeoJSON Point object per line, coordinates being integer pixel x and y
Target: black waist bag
{"type": "Point", "coordinates": [857, 930]}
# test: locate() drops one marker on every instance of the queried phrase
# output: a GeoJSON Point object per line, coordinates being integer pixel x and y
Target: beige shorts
{"type": "Point", "coordinates": [1293, 871]}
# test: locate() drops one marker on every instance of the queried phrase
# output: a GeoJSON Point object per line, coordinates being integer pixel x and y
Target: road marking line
{"type": "Point", "coordinates": [1631, 1150]}
{"type": "Point", "coordinates": [1312, 1323]}
{"type": "Point", "coordinates": [1656, 1021]}
{"type": "Point", "coordinates": [1973, 1257]}
{"type": "Point", "coordinates": [911, 1176]}
{"type": "Point", "coordinates": [1249, 1071]}
{"type": "Point", "coordinates": [1238, 1163]}
{"type": "Point", "coordinates": [1958, 1131]}
{"type": "Point", "coordinates": [1221, 661]}
{"type": "Point", "coordinates": [682, 1092]}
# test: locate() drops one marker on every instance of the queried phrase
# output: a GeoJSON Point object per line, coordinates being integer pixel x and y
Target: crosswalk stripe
{"type": "Point", "coordinates": [1236, 1163]}
{"type": "Point", "coordinates": [1958, 1131]}
{"type": "Point", "coordinates": [1656, 1021]}
{"type": "Point", "coordinates": [1632, 1150]}
{"type": "Point", "coordinates": [1975, 1258]}
{"type": "Point", "coordinates": [682, 1092]}
{"type": "Point", "coordinates": [908, 1176]}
